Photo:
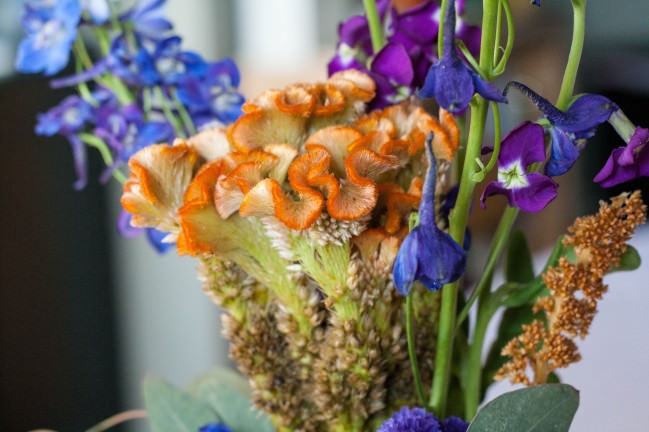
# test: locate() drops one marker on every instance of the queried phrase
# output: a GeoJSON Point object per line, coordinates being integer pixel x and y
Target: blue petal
{"type": "Point", "coordinates": [155, 238]}
{"type": "Point", "coordinates": [564, 153]}
{"type": "Point", "coordinates": [441, 259]}
{"type": "Point", "coordinates": [487, 90]}
{"type": "Point", "coordinates": [405, 265]}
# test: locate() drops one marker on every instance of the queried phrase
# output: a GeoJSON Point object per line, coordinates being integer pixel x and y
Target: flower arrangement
{"type": "Point", "coordinates": [329, 220]}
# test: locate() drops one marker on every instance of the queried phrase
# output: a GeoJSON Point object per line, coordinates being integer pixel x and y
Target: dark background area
{"type": "Point", "coordinates": [57, 340]}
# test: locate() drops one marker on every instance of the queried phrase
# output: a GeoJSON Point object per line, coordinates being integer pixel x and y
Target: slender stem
{"type": "Point", "coordinates": [459, 218]}
{"type": "Point", "coordinates": [574, 58]}
{"type": "Point", "coordinates": [495, 251]}
{"type": "Point", "coordinates": [104, 151]}
{"type": "Point", "coordinates": [166, 108]}
{"type": "Point", "coordinates": [502, 63]}
{"type": "Point", "coordinates": [479, 176]}
{"type": "Point", "coordinates": [474, 363]}
{"type": "Point", "coordinates": [118, 419]}
{"type": "Point", "coordinates": [499, 18]}
{"type": "Point", "coordinates": [374, 22]}
{"type": "Point", "coordinates": [440, 32]}
{"type": "Point", "coordinates": [412, 353]}
{"type": "Point", "coordinates": [184, 115]}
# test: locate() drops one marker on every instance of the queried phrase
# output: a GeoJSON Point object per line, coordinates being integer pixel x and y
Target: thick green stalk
{"type": "Point", "coordinates": [412, 352]}
{"type": "Point", "coordinates": [473, 378]}
{"type": "Point", "coordinates": [460, 215]}
{"type": "Point", "coordinates": [574, 59]}
{"type": "Point", "coordinates": [374, 22]}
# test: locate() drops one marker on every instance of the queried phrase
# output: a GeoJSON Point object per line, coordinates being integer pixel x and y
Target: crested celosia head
{"type": "Point", "coordinates": [297, 210]}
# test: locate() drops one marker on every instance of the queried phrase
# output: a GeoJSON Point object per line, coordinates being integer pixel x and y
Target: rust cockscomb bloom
{"type": "Point", "coordinates": [296, 212]}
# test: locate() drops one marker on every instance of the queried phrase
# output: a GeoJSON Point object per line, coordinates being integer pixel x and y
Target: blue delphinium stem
{"type": "Point", "coordinates": [166, 109]}
{"type": "Point", "coordinates": [374, 22]}
{"type": "Point", "coordinates": [473, 375]}
{"type": "Point", "coordinates": [183, 114]}
{"type": "Point", "coordinates": [104, 151]}
{"type": "Point", "coordinates": [460, 214]}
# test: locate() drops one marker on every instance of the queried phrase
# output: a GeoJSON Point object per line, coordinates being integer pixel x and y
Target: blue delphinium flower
{"type": "Point", "coordinates": [629, 162]}
{"type": "Point", "coordinates": [148, 19]}
{"type": "Point", "coordinates": [68, 119]}
{"type": "Point", "coordinates": [98, 10]}
{"type": "Point", "coordinates": [450, 80]}
{"type": "Point", "coordinates": [215, 427]}
{"type": "Point", "coordinates": [428, 254]}
{"type": "Point", "coordinates": [420, 420]}
{"type": "Point", "coordinates": [530, 192]}
{"type": "Point", "coordinates": [51, 29]}
{"type": "Point", "coordinates": [571, 128]}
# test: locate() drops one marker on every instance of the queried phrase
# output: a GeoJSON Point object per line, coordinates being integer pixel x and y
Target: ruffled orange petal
{"type": "Point", "coordinates": [285, 155]}
{"type": "Point", "coordinates": [210, 143]}
{"type": "Point", "coordinates": [336, 139]}
{"type": "Point", "coordinates": [202, 187]}
{"type": "Point", "coordinates": [262, 127]}
{"type": "Point", "coordinates": [375, 121]}
{"type": "Point", "coordinates": [259, 200]}
{"type": "Point", "coordinates": [160, 174]}
{"type": "Point", "coordinates": [295, 100]}
{"type": "Point", "coordinates": [354, 84]}
{"type": "Point", "coordinates": [203, 230]}
{"type": "Point", "coordinates": [300, 214]}
{"type": "Point", "coordinates": [329, 100]}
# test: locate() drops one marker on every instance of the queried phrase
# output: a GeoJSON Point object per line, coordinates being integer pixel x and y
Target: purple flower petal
{"type": "Point", "coordinates": [454, 424]}
{"type": "Point", "coordinates": [619, 169]}
{"type": "Point", "coordinates": [534, 197]}
{"type": "Point", "coordinates": [411, 420]}
{"type": "Point", "coordinates": [487, 90]}
{"type": "Point", "coordinates": [124, 226]}
{"type": "Point", "coordinates": [524, 144]}
{"type": "Point", "coordinates": [394, 63]}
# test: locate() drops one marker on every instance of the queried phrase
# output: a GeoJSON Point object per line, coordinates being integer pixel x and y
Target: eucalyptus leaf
{"type": "Point", "coordinates": [629, 261]}
{"type": "Point", "coordinates": [543, 408]}
{"type": "Point", "coordinates": [518, 264]}
{"type": "Point", "coordinates": [228, 394]}
{"type": "Point", "coordinates": [172, 410]}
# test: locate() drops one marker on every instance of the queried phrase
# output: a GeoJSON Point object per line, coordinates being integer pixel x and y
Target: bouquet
{"type": "Point", "coordinates": [329, 220]}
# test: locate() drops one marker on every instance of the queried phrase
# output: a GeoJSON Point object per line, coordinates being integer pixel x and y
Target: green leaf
{"type": "Point", "coordinates": [629, 261]}
{"type": "Point", "coordinates": [544, 408]}
{"type": "Point", "coordinates": [229, 395]}
{"type": "Point", "coordinates": [510, 327]}
{"type": "Point", "coordinates": [518, 264]}
{"type": "Point", "coordinates": [172, 410]}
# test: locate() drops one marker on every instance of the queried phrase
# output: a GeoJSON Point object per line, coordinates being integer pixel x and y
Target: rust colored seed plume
{"type": "Point", "coordinates": [599, 241]}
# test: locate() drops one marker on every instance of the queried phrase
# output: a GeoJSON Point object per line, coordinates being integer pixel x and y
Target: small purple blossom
{"type": "Point", "coordinates": [393, 73]}
{"type": "Point", "coordinates": [450, 80]}
{"type": "Point", "coordinates": [420, 420]}
{"type": "Point", "coordinates": [629, 162]}
{"type": "Point", "coordinates": [428, 254]}
{"type": "Point", "coordinates": [569, 129]}
{"type": "Point", "coordinates": [51, 29]}
{"type": "Point", "coordinates": [530, 192]}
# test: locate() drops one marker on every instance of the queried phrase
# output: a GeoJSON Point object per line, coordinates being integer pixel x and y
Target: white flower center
{"type": "Point", "coordinates": [49, 34]}
{"type": "Point", "coordinates": [513, 176]}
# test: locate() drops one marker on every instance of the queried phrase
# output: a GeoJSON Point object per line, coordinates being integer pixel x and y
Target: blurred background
{"type": "Point", "coordinates": [85, 314]}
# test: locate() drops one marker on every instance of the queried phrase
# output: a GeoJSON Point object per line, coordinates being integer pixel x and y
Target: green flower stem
{"type": "Point", "coordinates": [111, 81]}
{"type": "Point", "coordinates": [473, 376]}
{"type": "Point", "coordinates": [460, 215]}
{"type": "Point", "coordinates": [184, 115]}
{"type": "Point", "coordinates": [502, 63]}
{"type": "Point", "coordinates": [166, 108]}
{"type": "Point", "coordinates": [479, 176]}
{"type": "Point", "coordinates": [499, 25]}
{"type": "Point", "coordinates": [104, 151]}
{"type": "Point", "coordinates": [376, 27]}
{"type": "Point", "coordinates": [412, 353]}
{"type": "Point", "coordinates": [574, 58]}
{"type": "Point", "coordinates": [440, 30]}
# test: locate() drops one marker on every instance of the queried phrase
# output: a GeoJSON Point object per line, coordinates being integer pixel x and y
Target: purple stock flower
{"type": "Point", "coordinates": [428, 254]}
{"type": "Point", "coordinates": [420, 420]}
{"type": "Point", "coordinates": [414, 30]}
{"type": "Point", "coordinates": [629, 162]}
{"type": "Point", "coordinates": [450, 80]}
{"type": "Point", "coordinates": [68, 119]}
{"type": "Point", "coordinates": [571, 128]}
{"type": "Point", "coordinates": [215, 427]}
{"type": "Point", "coordinates": [530, 192]}
{"type": "Point", "coordinates": [51, 29]}
{"type": "Point", "coordinates": [393, 73]}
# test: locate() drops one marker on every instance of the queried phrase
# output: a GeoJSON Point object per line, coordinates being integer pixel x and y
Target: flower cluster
{"type": "Point", "coordinates": [400, 67]}
{"type": "Point", "coordinates": [296, 212]}
{"type": "Point", "coordinates": [419, 420]}
{"type": "Point", "coordinates": [143, 89]}
{"type": "Point", "coordinates": [575, 287]}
